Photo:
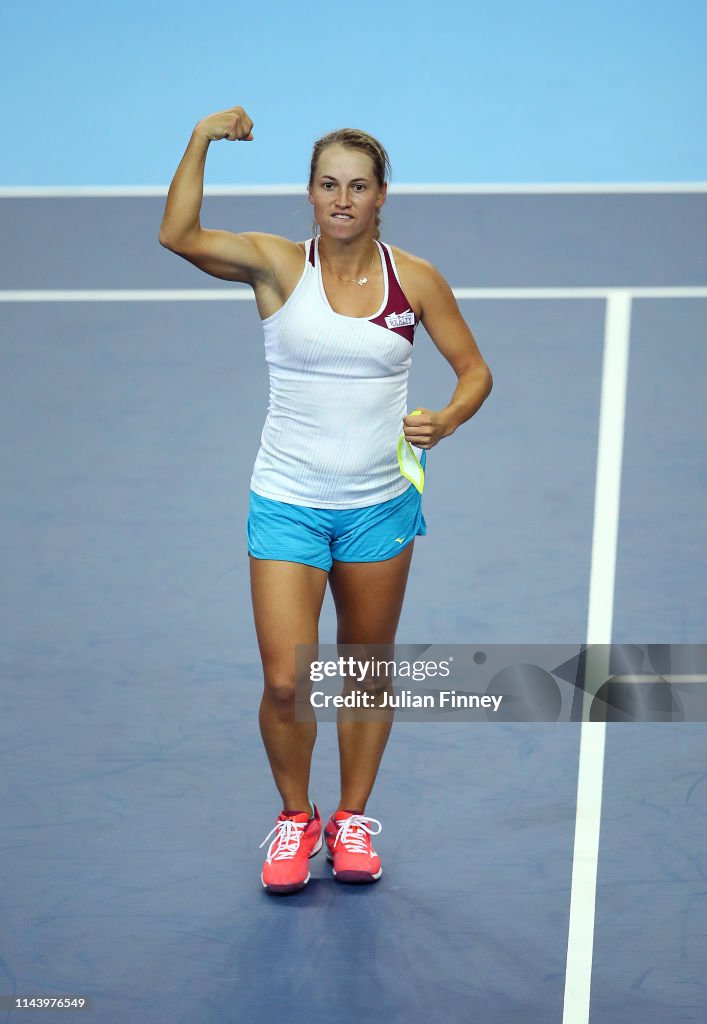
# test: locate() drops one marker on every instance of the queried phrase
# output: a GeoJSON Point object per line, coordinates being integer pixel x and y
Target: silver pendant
{"type": "Point", "coordinates": [361, 281]}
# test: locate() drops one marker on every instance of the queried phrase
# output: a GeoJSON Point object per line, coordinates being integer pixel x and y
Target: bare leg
{"type": "Point", "coordinates": [287, 600]}
{"type": "Point", "coordinates": [368, 598]}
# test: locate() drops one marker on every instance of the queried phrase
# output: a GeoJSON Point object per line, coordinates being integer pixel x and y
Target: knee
{"type": "Point", "coordinates": [280, 689]}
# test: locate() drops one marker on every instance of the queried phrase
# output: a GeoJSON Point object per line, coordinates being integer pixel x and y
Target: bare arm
{"type": "Point", "coordinates": [450, 333]}
{"type": "Point", "coordinates": [246, 257]}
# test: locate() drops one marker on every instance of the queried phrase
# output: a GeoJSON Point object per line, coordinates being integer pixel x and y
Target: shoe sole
{"type": "Point", "coordinates": [281, 889]}
{"type": "Point", "coordinates": [357, 877]}
{"type": "Point", "coordinates": [353, 877]}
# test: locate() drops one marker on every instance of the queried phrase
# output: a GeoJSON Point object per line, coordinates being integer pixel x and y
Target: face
{"type": "Point", "coordinates": [345, 192]}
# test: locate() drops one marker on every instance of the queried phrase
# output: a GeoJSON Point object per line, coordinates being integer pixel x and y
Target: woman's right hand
{"type": "Point", "coordinates": [233, 124]}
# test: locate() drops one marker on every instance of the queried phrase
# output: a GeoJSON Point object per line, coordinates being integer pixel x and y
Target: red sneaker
{"type": "Point", "coordinates": [297, 838]}
{"type": "Point", "coordinates": [348, 841]}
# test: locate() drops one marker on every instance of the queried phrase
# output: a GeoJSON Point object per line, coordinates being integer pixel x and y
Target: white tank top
{"type": "Point", "coordinates": [338, 394]}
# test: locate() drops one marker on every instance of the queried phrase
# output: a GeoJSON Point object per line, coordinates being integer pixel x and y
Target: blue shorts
{"type": "Point", "coordinates": [318, 536]}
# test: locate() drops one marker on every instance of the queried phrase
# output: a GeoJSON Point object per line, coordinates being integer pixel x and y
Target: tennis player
{"type": "Point", "coordinates": [330, 500]}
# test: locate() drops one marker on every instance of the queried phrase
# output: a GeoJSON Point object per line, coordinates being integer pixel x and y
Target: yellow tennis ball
{"type": "Point", "coordinates": [416, 412]}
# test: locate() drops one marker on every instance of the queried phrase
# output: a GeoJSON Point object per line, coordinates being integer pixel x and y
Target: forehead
{"type": "Point", "coordinates": [343, 162]}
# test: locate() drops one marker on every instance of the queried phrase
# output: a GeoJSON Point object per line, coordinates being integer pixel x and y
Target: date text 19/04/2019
{"type": "Point", "coordinates": [406, 699]}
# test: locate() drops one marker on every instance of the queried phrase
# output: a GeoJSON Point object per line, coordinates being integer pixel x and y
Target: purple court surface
{"type": "Point", "coordinates": [526, 878]}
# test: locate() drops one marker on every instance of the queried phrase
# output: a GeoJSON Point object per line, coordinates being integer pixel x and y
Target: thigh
{"type": "Point", "coordinates": [369, 598]}
{"type": "Point", "coordinates": [281, 532]}
{"type": "Point", "coordinates": [287, 600]}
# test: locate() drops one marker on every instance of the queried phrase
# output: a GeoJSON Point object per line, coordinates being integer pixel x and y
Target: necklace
{"type": "Point", "coordinates": [350, 280]}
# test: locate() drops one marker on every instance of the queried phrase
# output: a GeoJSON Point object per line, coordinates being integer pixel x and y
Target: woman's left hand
{"type": "Point", "coordinates": [424, 428]}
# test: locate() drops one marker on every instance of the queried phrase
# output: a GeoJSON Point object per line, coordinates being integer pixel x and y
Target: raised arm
{"type": "Point", "coordinates": [248, 257]}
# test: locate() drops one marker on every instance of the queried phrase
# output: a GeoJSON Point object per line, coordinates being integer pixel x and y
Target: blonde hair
{"type": "Point", "coordinates": [354, 138]}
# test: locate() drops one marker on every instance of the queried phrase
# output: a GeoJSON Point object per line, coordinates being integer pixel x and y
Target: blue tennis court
{"type": "Point", "coordinates": [135, 789]}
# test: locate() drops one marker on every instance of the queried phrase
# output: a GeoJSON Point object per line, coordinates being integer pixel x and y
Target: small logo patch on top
{"type": "Point", "coordinates": [406, 319]}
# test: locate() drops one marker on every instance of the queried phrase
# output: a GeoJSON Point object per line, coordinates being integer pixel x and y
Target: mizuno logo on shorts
{"type": "Point", "coordinates": [395, 320]}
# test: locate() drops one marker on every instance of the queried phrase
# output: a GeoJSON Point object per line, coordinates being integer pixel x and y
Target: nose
{"type": "Point", "coordinates": [342, 198]}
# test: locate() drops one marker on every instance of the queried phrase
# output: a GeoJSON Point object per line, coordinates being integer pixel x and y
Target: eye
{"type": "Point", "coordinates": [359, 186]}
{"type": "Point", "coordinates": [327, 185]}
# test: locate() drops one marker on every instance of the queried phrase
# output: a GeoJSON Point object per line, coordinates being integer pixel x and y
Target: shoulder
{"type": "Point", "coordinates": [421, 280]}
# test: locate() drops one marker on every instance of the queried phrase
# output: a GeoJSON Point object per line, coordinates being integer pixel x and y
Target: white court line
{"type": "Point", "coordinates": [130, 295]}
{"type": "Point", "coordinates": [608, 474]}
{"type": "Point", "coordinates": [244, 294]}
{"type": "Point", "coordinates": [442, 189]}
{"type": "Point", "coordinates": [639, 292]}
{"type": "Point", "coordinates": [580, 943]}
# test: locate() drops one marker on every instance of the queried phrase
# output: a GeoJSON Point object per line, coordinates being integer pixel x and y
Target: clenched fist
{"type": "Point", "coordinates": [425, 428]}
{"type": "Point", "coordinates": [233, 124]}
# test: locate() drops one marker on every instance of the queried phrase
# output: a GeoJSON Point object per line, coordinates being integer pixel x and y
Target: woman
{"type": "Point", "coordinates": [328, 500]}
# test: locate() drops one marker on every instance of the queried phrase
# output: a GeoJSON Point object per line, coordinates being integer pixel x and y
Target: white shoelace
{"type": "Point", "coordinates": [287, 839]}
{"type": "Point", "coordinates": [352, 832]}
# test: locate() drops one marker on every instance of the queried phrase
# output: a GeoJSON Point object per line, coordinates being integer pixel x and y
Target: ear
{"type": "Point", "coordinates": [382, 195]}
{"type": "Point", "coordinates": [309, 196]}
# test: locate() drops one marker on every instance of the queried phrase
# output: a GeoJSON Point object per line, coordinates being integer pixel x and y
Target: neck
{"type": "Point", "coordinates": [348, 258]}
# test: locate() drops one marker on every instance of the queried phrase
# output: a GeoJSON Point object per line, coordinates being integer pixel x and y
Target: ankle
{"type": "Point", "coordinates": [298, 807]}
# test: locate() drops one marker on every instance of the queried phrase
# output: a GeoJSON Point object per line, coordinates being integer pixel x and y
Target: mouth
{"type": "Point", "coordinates": [341, 216]}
